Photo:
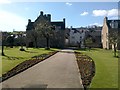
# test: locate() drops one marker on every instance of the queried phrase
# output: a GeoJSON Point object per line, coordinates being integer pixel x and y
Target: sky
{"type": "Point", "coordinates": [15, 15]}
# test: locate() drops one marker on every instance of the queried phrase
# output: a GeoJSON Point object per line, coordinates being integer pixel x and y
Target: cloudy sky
{"type": "Point", "coordinates": [15, 15]}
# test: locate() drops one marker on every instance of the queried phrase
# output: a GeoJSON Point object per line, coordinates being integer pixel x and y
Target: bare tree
{"type": "Point", "coordinates": [22, 40]}
{"type": "Point", "coordinates": [46, 30]}
{"type": "Point", "coordinates": [89, 42]}
{"type": "Point", "coordinates": [34, 34]}
{"type": "Point", "coordinates": [113, 39]}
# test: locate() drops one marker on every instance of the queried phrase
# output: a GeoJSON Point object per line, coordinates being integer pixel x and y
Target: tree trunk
{"type": "Point", "coordinates": [47, 39]}
{"type": "Point", "coordinates": [11, 46]}
{"type": "Point", "coordinates": [35, 42]}
{"type": "Point", "coordinates": [21, 46]}
{"type": "Point", "coordinates": [114, 50]}
{"type": "Point", "coordinates": [22, 49]}
{"type": "Point", "coordinates": [3, 50]}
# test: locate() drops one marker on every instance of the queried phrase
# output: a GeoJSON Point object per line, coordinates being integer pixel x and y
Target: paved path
{"type": "Point", "coordinates": [58, 71]}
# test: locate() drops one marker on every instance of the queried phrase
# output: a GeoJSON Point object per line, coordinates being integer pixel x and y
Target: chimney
{"type": "Point", "coordinates": [41, 13]}
{"type": "Point", "coordinates": [49, 17]}
{"type": "Point", "coordinates": [45, 15]}
{"type": "Point", "coordinates": [105, 19]}
{"type": "Point", "coordinates": [29, 20]}
{"type": "Point", "coordinates": [64, 22]}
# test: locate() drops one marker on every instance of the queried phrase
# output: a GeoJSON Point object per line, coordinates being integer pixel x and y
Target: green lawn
{"type": "Point", "coordinates": [106, 68]}
{"type": "Point", "coordinates": [14, 57]}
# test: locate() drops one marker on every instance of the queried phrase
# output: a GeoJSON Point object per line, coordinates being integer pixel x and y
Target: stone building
{"type": "Point", "coordinates": [108, 26]}
{"type": "Point", "coordinates": [95, 34]}
{"type": "Point", "coordinates": [77, 36]}
{"type": "Point", "coordinates": [57, 40]}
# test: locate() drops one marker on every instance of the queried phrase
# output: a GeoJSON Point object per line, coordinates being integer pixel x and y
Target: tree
{"type": "Point", "coordinates": [46, 30]}
{"type": "Point", "coordinates": [113, 39]}
{"type": "Point", "coordinates": [3, 47]}
{"type": "Point", "coordinates": [1, 42]}
{"type": "Point", "coordinates": [3, 36]}
{"type": "Point", "coordinates": [22, 40]}
{"type": "Point", "coordinates": [88, 42]}
{"type": "Point", "coordinates": [34, 34]}
{"type": "Point", "coordinates": [10, 40]}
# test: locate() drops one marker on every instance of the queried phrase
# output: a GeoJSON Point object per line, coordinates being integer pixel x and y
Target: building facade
{"type": "Point", "coordinates": [56, 40]}
{"type": "Point", "coordinates": [108, 26]}
{"type": "Point", "coordinates": [96, 37]}
{"type": "Point", "coordinates": [76, 37]}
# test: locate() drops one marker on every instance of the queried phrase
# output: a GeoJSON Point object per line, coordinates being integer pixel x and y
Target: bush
{"type": "Point", "coordinates": [22, 49]}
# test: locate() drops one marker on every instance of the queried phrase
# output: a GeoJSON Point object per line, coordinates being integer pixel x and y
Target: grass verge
{"type": "Point", "coordinates": [13, 57]}
{"type": "Point", "coordinates": [106, 68]}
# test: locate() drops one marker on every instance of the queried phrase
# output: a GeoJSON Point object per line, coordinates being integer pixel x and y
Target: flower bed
{"type": "Point", "coordinates": [26, 64]}
{"type": "Point", "coordinates": [86, 67]}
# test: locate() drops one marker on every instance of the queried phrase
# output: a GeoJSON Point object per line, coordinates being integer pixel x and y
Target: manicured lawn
{"type": "Point", "coordinates": [14, 56]}
{"type": "Point", "coordinates": [106, 68]}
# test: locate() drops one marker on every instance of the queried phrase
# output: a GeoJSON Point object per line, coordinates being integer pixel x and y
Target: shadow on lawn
{"type": "Point", "coordinates": [50, 50]}
{"type": "Point", "coordinates": [37, 52]}
{"type": "Point", "coordinates": [13, 58]}
{"type": "Point", "coordinates": [30, 51]}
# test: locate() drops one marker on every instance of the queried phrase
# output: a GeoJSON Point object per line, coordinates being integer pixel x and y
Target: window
{"type": "Point", "coordinates": [80, 42]}
{"type": "Point", "coordinates": [106, 44]}
{"type": "Point", "coordinates": [112, 24]}
{"type": "Point", "coordinates": [73, 42]}
{"type": "Point", "coordinates": [73, 37]}
{"type": "Point", "coordinates": [59, 27]}
{"type": "Point", "coordinates": [116, 24]}
{"type": "Point", "coordinates": [106, 35]}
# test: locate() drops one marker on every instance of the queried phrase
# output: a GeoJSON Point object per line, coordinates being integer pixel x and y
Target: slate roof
{"type": "Point", "coordinates": [61, 24]}
{"type": "Point", "coordinates": [30, 26]}
{"type": "Point", "coordinates": [110, 21]}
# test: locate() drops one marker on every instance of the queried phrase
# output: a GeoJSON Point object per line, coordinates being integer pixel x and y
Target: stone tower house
{"type": "Point", "coordinates": [58, 40]}
{"type": "Point", "coordinates": [108, 26]}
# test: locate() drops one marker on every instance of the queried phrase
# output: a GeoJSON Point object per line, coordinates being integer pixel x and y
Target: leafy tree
{"type": "Point", "coordinates": [34, 34]}
{"type": "Point", "coordinates": [113, 39]}
{"type": "Point", "coordinates": [10, 40]}
{"type": "Point", "coordinates": [88, 42]}
{"type": "Point", "coordinates": [46, 30]}
{"type": "Point", "coordinates": [22, 41]}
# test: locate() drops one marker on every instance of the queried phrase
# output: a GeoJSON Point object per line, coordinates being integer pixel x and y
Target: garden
{"type": "Point", "coordinates": [106, 68]}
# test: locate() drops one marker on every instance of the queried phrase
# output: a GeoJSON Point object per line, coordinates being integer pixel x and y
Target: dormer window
{"type": "Point", "coordinates": [116, 24]}
{"type": "Point", "coordinates": [112, 24]}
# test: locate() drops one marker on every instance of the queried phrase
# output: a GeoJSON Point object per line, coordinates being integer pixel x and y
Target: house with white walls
{"type": "Point", "coordinates": [76, 37]}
